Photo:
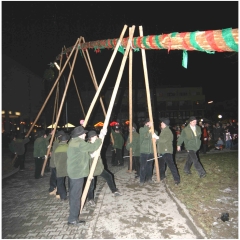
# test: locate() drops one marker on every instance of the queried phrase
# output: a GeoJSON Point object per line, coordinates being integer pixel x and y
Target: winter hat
{"type": "Point", "coordinates": [91, 134]}
{"type": "Point", "coordinates": [146, 120]}
{"type": "Point", "coordinates": [77, 131]}
{"type": "Point", "coordinates": [58, 133]}
{"type": "Point", "coordinates": [192, 118]}
{"type": "Point", "coordinates": [165, 120]}
{"type": "Point", "coordinates": [64, 137]}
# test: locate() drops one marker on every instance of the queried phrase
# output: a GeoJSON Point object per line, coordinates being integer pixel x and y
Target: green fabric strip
{"type": "Point", "coordinates": [157, 42]}
{"type": "Point", "coordinates": [135, 42]}
{"type": "Point", "coordinates": [174, 34]}
{"type": "Point", "coordinates": [229, 40]}
{"type": "Point", "coordinates": [196, 45]}
{"type": "Point", "coordinates": [112, 42]}
{"type": "Point", "coordinates": [145, 42]}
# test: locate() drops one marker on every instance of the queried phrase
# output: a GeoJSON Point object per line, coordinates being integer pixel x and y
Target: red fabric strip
{"type": "Point", "coordinates": [184, 44]}
{"type": "Point", "coordinates": [210, 39]}
{"type": "Point", "coordinates": [151, 42]}
{"type": "Point", "coordinates": [139, 42]}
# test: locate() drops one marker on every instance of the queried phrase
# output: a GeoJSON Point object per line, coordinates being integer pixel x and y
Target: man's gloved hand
{"type": "Point", "coordinates": [155, 136]}
{"type": "Point", "coordinates": [93, 154]}
{"type": "Point", "coordinates": [103, 133]}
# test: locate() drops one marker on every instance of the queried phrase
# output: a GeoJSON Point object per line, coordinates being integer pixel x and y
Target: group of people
{"type": "Point", "coordinates": [143, 153]}
{"type": "Point", "coordinates": [71, 158]}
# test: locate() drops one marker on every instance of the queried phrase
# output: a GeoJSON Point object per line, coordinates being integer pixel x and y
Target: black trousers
{"type": "Point", "coordinates": [109, 179]}
{"type": "Point", "coordinates": [38, 166]}
{"type": "Point", "coordinates": [61, 187]}
{"type": "Point", "coordinates": [167, 159]}
{"type": "Point", "coordinates": [193, 159]}
{"type": "Point", "coordinates": [53, 179]}
{"type": "Point", "coordinates": [117, 158]}
{"type": "Point", "coordinates": [20, 161]}
{"type": "Point", "coordinates": [75, 193]}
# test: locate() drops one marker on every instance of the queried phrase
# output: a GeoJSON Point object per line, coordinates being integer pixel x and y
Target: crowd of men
{"type": "Point", "coordinates": [71, 155]}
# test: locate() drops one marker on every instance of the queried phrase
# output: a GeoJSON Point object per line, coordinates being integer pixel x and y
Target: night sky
{"type": "Point", "coordinates": [33, 33]}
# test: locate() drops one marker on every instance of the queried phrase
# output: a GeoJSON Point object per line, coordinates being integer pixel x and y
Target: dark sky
{"type": "Point", "coordinates": [33, 33]}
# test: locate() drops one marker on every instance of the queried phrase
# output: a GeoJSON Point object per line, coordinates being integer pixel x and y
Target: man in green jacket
{"type": "Point", "coordinates": [19, 150]}
{"type": "Point", "coordinates": [78, 162]}
{"type": "Point", "coordinates": [60, 161]}
{"type": "Point", "coordinates": [135, 149]}
{"type": "Point", "coordinates": [40, 147]}
{"type": "Point", "coordinates": [53, 178]}
{"type": "Point", "coordinates": [117, 158]}
{"type": "Point", "coordinates": [146, 153]}
{"type": "Point", "coordinates": [191, 136]}
{"type": "Point", "coordinates": [99, 171]}
{"type": "Point", "coordinates": [165, 151]}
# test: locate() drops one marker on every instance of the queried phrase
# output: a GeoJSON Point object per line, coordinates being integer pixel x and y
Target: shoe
{"type": "Point", "coordinates": [188, 173]}
{"type": "Point", "coordinates": [58, 196]}
{"type": "Point", "coordinates": [91, 203]}
{"type": "Point", "coordinates": [177, 183]}
{"type": "Point", "coordinates": [76, 223]}
{"type": "Point", "coordinates": [163, 180]}
{"type": "Point", "coordinates": [203, 175]}
{"type": "Point", "coordinates": [136, 176]}
{"type": "Point", "coordinates": [64, 199]}
{"type": "Point", "coordinates": [53, 192]}
{"type": "Point", "coordinates": [141, 184]}
{"type": "Point", "coordinates": [117, 193]}
{"type": "Point", "coordinates": [150, 181]}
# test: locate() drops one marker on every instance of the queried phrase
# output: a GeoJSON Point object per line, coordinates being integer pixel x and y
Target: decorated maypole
{"type": "Point", "coordinates": [210, 41]}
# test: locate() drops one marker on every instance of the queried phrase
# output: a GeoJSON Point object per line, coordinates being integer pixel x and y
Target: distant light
{"type": "Point", "coordinates": [201, 120]}
{"type": "Point", "coordinates": [56, 65]}
{"type": "Point", "coordinates": [17, 113]}
{"type": "Point", "coordinates": [210, 102]}
{"type": "Point", "coordinates": [219, 116]}
{"type": "Point", "coordinates": [3, 112]}
{"type": "Point", "coordinates": [17, 128]}
{"type": "Point", "coordinates": [9, 112]}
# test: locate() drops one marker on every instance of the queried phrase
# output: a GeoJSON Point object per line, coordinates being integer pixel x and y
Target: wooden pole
{"type": "Point", "coordinates": [50, 93]}
{"type": "Point", "coordinates": [92, 74]}
{"type": "Point", "coordinates": [60, 109]}
{"type": "Point", "coordinates": [130, 105]}
{"type": "Point", "coordinates": [77, 90]}
{"type": "Point", "coordinates": [104, 76]}
{"type": "Point", "coordinates": [106, 122]}
{"type": "Point", "coordinates": [149, 105]}
{"type": "Point", "coordinates": [55, 104]}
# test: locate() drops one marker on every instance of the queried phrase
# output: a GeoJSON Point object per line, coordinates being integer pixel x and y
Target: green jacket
{"type": "Point", "coordinates": [99, 167]}
{"type": "Point", "coordinates": [40, 146]}
{"type": "Point", "coordinates": [78, 157]}
{"type": "Point", "coordinates": [134, 144]}
{"type": "Point", "coordinates": [165, 141]}
{"type": "Point", "coordinates": [191, 142]}
{"type": "Point", "coordinates": [146, 145]}
{"type": "Point", "coordinates": [19, 145]}
{"type": "Point", "coordinates": [118, 140]}
{"type": "Point", "coordinates": [60, 159]}
{"type": "Point", "coordinates": [52, 160]}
